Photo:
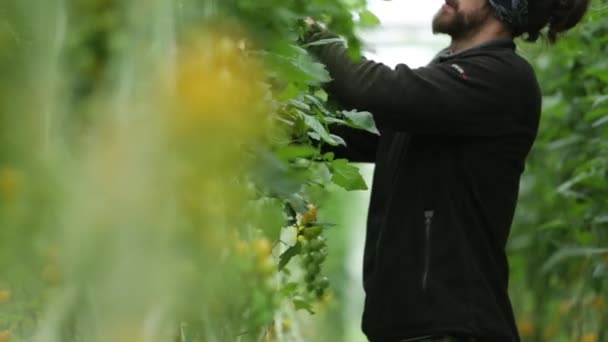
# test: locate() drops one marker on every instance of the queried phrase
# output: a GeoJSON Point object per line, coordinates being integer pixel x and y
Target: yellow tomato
{"type": "Point", "coordinates": [5, 336]}
{"type": "Point", "coordinates": [550, 332]}
{"type": "Point", "coordinates": [266, 266]}
{"type": "Point", "coordinates": [564, 308]}
{"type": "Point", "coordinates": [327, 297]}
{"type": "Point", "coordinates": [262, 247]}
{"type": "Point", "coordinates": [599, 303]}
{"type": "Point", "coordinates": [589, 338]}
{"type": "Point", "coordinates": [312, 209]}
{"type": "Point", "coordinates": [5, 296]}
{"type": "Point", "coordinates": [286, 324]}
{"type": "Point", "coordinates": [126, 332]}
{"type": "Point", "coordinates": [10, 180]}
{"type": "Point", "coordinates": [311, 215]}
{"type": "Point", "coordinates": [526, 328]}
{"type": "Point", "coordinates": [51, 274]}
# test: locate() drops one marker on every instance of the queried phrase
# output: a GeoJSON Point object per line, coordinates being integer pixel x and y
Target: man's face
{"type": "Point", "coordinates": [460, 18]}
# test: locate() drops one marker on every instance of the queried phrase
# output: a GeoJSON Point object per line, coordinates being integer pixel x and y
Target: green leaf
{"type": "Point", "coordinates": [315, 70]}
{"type": "Point", "coordinates": [288, 255]}
{"type": "Point", "coordinates": [303, 305]}
{"type": "Point", "coordinates": [314, 136]}
{"type": "Point", "coordinates": [600, 271]}
{"type": "Point", "coordinates": [296, 69]}
{"type": "Point", "coordinates": [554, 225]}
{"type": "Point", "coordinates": [570, 252]}
{"type": "Point", "coordinates": [331, 120]}
{"type": "Point", "coordinates": [269, 214]}
{"type": "Point", "coordinates": [338, 139]}
{"type": "Point", "coordinates": [289, 92]}
{"type": "Point", "coordinates": [600, 101]}
{"type": "Point", "coordinates": [295, 151]}
{"type": "Point", "coordinates": [300, 105]}
{"type": "Point", "coordinates": [361, 120]}
{"type": "Point", "coordinates": [567, 141]}
{"type": "Point", "coordinates": [367, 18]}
{"type": "Point", "coordinates": [321, 94]}
{"type": "Point", "coordinates": [584, 237]}
{"type": "Point", "coordinates": [273, 175]}
{"type": "Point", "coordinates": [600, 121]}
{"type": "Point", "coordinates": [289, 289]}
{"type": "Point", "coordinates": [601, 219]}
{"type": "Point", "coordinates": [317, 127]}
{"type": "Point", "coordinates": [564, 187]}
{"type": "Point", "coordinates": [317, 102]}
{"type": "Point", "coordinates": [346, 175]}
{"type": "Point", "coordinates": [329, 156]}
{"type": "Point", "coordinates": [324, 41]}
{"type": "Point", "coordinates": [297, 203]}
{"type": "Point", "coordinates": [322, 173]}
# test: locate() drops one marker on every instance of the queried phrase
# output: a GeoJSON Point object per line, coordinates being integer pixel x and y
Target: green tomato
{"type": "Point", "coordinates": [322, 283]}
{"type": "Point", "coordinates": [320, 256]}
{"type": "Point", "coordinates": [309, 258]}
{"type": "Point", "coordinates": [312, 232]}
{"type": "Point", "coordinates": [319, 292]}
{"type": "Point", "coordinates": [313, 269]}
{"type": "Point", "coordinates": [316, 244]}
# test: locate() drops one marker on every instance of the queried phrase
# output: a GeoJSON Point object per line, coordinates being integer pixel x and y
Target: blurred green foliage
{"type": "Point", "coordinates": [559, 246]}
{"type": "Point", "coordinates": [160, 166]}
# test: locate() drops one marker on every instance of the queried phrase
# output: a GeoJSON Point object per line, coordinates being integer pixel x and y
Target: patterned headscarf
{"type": "Point", "coordinates": [513, 12]}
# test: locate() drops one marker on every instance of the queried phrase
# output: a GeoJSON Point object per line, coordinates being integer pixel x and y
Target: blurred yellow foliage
{"type": "Point", "coordinates": [217, 87]}
{"type": "Point", "coordinates": [5, 336]}
{"type": "Point", "coordinates": [123, 332]}
{"type": "Point", "coordinates": [241, 247]}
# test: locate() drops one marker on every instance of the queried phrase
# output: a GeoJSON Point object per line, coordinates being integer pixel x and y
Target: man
{"type": "Point", "coordinates": [454, 139]}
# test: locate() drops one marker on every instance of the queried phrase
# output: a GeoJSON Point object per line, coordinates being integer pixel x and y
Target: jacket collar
{"type": "Point", "coordinates": [446, 54]}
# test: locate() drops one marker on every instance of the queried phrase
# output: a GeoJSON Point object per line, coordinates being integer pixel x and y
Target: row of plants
{"type": "Point", "coordinates": [559, 246]}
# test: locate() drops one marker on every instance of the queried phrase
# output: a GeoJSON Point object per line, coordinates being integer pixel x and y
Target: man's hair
{"type": "Point", "coordinates": [557, 15]}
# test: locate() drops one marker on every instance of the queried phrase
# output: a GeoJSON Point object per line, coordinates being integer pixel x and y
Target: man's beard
{"type": "Point", "coordinates": [460, 25]}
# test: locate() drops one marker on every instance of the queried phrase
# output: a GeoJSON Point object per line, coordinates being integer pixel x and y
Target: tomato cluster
{"type": "Point", "coordinates": [314, 252]}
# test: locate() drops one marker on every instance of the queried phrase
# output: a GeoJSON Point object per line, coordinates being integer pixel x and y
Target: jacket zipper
{"type": "Point", "coordinates": [428, 220]}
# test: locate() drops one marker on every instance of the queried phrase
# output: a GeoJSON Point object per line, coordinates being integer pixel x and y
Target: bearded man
{"type": "Point", "coordinates": [454, 139]}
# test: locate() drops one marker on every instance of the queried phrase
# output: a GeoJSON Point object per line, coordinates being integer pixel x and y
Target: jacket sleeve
{"type": "Point", "coordinates": [465, 96]}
